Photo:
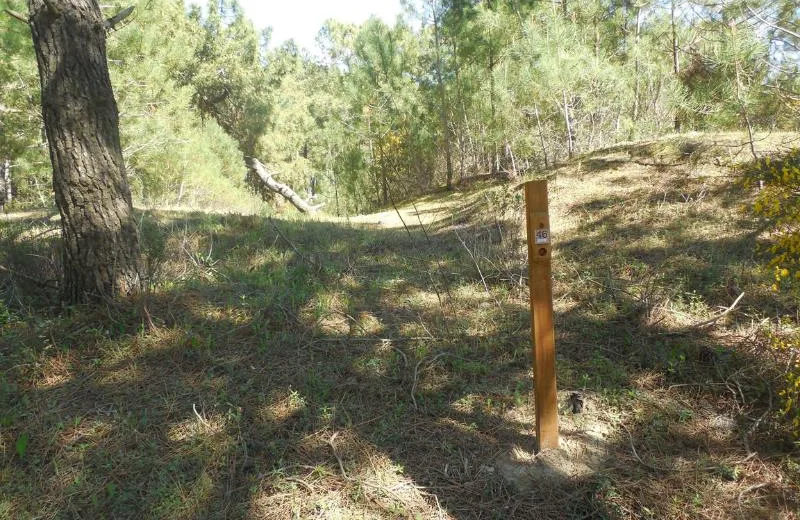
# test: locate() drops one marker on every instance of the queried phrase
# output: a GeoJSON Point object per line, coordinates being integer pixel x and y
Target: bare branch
{"type": "Point", "coordinates": [772, 25]}
{"type": "Point", "coordinates": [720, 315]}
{"type": "Point", "coordinates": [112, 22]}
{"type": "Point", "coordinates": [21, 17]}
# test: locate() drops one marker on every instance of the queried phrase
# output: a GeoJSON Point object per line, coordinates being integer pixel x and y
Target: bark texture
{"type": "Point", "coordinates": [100, 239]}
{"type": "Point", "coordinates": [281, 189]}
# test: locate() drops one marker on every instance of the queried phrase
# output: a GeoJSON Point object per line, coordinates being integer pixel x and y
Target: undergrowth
{"type": "Point", "coordinates": [380, 367]}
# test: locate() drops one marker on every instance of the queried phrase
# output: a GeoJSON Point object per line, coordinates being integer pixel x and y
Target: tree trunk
{"type": "Point", "coordinates": [462, 152]}
{"type": "Point", "coordinates": [636, 68]}
{"type": "Point", "coordinates": [101, 241]}
{"type": "Point", "coordinates": [513, 174]}
{"type": "Point", "coordinates": [5, 184]}
{"type": "Point", "coordinates": [570, 133]}
{"type": "Point", "coordinates": [279, 188]}
{"type": "Point", "coordinates": [676, 64]}
{"type": "Point", "coordinates": [443, 108]}
{"type": "Point", "coordinates": [541, 136]}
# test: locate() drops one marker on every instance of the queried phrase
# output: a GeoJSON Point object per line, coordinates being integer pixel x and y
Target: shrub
{"type": "Point", "coordinates": [779, 203]}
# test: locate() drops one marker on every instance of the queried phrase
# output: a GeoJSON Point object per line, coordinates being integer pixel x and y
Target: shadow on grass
{"type": "Point", "coordinates": [335, 371]}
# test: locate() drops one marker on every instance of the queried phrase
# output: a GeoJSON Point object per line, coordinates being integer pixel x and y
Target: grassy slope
{"type": "Point", "coordinates": [356, 369]}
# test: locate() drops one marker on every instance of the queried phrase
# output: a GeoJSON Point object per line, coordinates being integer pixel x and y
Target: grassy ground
{"type": "Point", "coordinates": [380, 367]}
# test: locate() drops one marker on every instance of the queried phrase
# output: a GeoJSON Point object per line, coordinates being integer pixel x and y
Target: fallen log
{"type": "Point", "coordinates": [281, 189]}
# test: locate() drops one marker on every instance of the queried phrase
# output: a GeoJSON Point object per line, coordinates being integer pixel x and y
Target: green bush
{"type": "Point", "coordinates": [779, 203]}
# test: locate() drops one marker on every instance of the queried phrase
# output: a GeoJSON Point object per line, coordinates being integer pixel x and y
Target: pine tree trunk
{"type": "Point", "coordinates": [541, 136]}
{"type": "Point", "coordinates": [5, 184]}
{"type": "Point", "coordinates": [443, 107]}
{"type": "Point", "coordinates": [676, 64]}
{"type": "Point", "coordinates": [101, 242]}
{"type": "Point", "coordinates": [570, 133]}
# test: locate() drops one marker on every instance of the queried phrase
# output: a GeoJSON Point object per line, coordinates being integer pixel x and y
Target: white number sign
{"type": "Point", "coordinates": [542, 236]}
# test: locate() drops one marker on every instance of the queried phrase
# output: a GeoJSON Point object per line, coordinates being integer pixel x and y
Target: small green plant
{"type": "Point", "coordinates": [5, 315]}
{"type": "Point", "coordinates": [22, 445]}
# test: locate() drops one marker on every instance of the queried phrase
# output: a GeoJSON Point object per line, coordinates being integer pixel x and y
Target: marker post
{"type": "Point", "coordinates": [541, 297]}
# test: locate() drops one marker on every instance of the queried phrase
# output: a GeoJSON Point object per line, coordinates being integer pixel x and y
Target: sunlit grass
{"type": "Point", "coordinates": [320, 367]}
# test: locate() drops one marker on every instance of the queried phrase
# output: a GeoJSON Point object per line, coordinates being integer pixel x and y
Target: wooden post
{"type": "Point", "coordinates": [541, 295]}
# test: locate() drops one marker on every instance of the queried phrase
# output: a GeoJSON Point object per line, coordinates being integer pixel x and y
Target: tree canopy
{"type": "Point", "coordinates": [378, 112]}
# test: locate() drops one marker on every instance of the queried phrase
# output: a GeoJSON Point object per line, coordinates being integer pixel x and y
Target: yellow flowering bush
{"type": "Point", "coordinates": [790, 393]}
{"type": "Point", "coordinates": [779, 202]}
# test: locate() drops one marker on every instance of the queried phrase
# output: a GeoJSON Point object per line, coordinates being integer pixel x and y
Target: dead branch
{"type": "Point", "coordinates": [718, 316]}
{"type": "Point", "coordinates": [112, 22]}
{"type": "Point", "coordinates": [281, 189]}
{"type": "Point", "coordinates": [19, 16]}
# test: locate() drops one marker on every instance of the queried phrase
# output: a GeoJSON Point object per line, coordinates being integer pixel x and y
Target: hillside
{"type": "Point", "coordinates": [379, 367]}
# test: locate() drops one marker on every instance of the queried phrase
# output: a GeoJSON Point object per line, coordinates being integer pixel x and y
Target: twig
{"type": "Point", "coordinates": [636, 455]}
{"type": "Point", "coordinates": [719, 316]}
{"type": "Point", "coordinates": [200, 417]}
{"type": "Point", "coordinates": [749, 490]}
{"type": "Point", "coordinates": [386, 490]}
{"type": "Point", "coordinates": [750, 431]}
{"type": "Point", "coordinates": [291, 244]}
{"type": "Point", "coordinates": [49, 230]}
{"type": "Point", "coordinates": [40, 283]}
{"type": "Point", "coordinates": [419, 219]}
{"type": "Point", "coordinates": [658, 468]}
{"type": "Point", "coordinates": [416, 375]}
{"type": "Point", "coordinates": [301, 482]}
{"type": "Point", "coordinates": [772, 25]}
{"type": "Point", "coordinates": [335, 454]}
{"type": "Point", "coordinates": [399, 215]}
{"type": "Point", "coordinates": [475, 261]}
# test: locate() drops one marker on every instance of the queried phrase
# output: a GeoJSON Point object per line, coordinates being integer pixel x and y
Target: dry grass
{"type": "Point", "coordinates": [353, 369]}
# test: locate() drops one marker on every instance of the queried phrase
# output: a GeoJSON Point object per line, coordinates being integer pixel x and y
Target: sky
{"type": "Point", "coordinates": [302, 19]}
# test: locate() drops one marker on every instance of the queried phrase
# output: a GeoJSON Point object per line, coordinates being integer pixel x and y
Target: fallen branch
{"type": "Point", "coordinates": [281, 189]}
{"type": "Point", "coordinates": [750, 490]}
{"type": "Point", "coordinates": [719, 316]}
{"type": "Point", "coordinates": [202, 419]}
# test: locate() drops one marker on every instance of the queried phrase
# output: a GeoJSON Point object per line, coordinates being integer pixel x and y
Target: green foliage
{"type": "Point", "coordinates": [227, 75]}
{"type": "Point", "coordinates": [779, 205]}
{"type": "Point", "coordinates": [22, 445]}
{"type": "Point", "coordinates": [789, 347]}
{"type": "Point", "coordinates": [173, 156]}
{"type": "Point", "coordinates": [21, 139]}
{"type": "Point", "coordinates": [373, 114]}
